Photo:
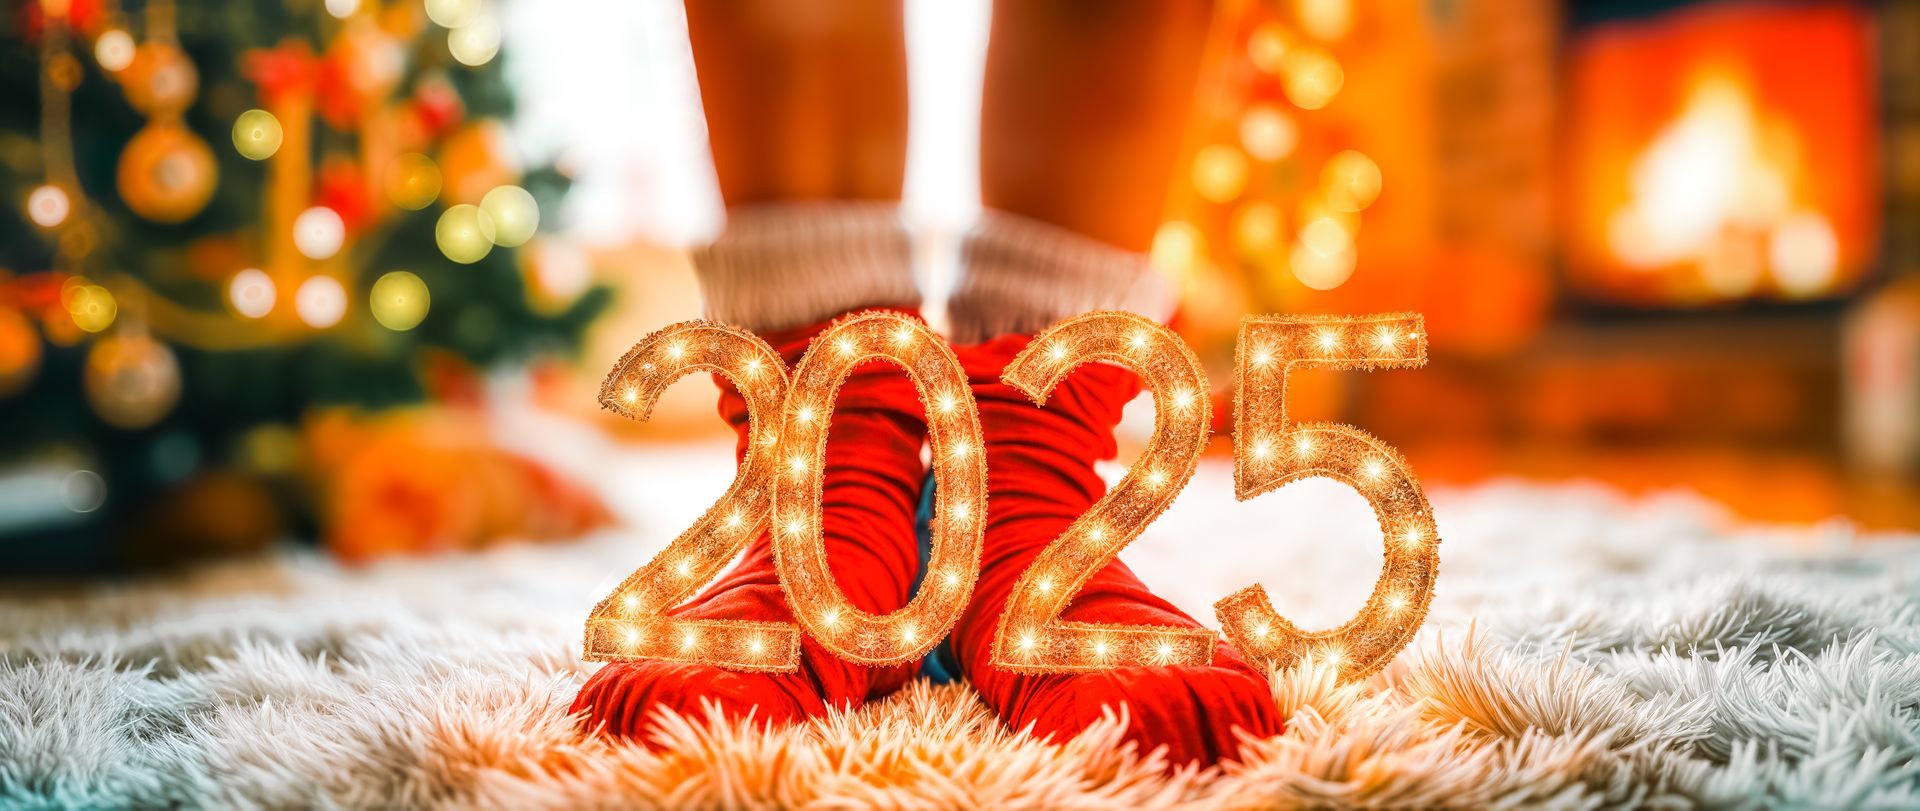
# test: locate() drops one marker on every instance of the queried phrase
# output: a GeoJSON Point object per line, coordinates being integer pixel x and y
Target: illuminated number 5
{"type": "Point", "coordinates": [1268, 453]}
{"type": "Point", "coordinates": [631, 623]}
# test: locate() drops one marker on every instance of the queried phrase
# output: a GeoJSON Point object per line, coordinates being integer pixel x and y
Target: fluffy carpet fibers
{"type": "Point", "coordinates": [1585, 651]}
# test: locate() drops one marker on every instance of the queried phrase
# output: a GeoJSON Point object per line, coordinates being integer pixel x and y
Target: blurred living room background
{"type": "Point", "coordinates": [348, 272]}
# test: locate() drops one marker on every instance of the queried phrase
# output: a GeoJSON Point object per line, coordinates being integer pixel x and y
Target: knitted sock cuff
{"type": "Point", "coordinates": [782, 265]}
{"type": "Point", "coordinates": [1021, 275]}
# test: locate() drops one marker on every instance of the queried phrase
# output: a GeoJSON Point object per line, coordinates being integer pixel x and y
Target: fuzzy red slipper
{"type": "Point", "coordinates": [873, 480]}
{"type": "Point", "coordinates": [1040, 478]}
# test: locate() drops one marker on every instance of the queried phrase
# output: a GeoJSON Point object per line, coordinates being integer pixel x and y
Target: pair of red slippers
{"type": "Point", "coordinates": [1040, 477]}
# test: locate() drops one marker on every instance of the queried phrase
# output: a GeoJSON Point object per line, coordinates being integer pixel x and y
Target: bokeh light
{"type": "Point", "coordinates": [475, 43]}
{"type": "Point", "coordinates": [1350, 181]}
{"type": "Point", "coordinates": [1311, 77]}
{"type": "Point", "coordinates": [321, 302]}
{"type": "Point", "coordinates": [514, 214]}
{"type": "Point", "coordinates": [48, 206]}
{"type": "Point", "coordinates": [256, 134]}
{"type": "Point", "coordinates": [413, 181]}
{"type": "Point", "coordinates": [452, 13]}
{"type": "Point", "coordinates": [399, 301]}
{"type": "Point", "coordinates": [319, 232]}
{"type": "Point", "coordinates": [1268, 133]}
{"type": "Point", "coordinates": [252, 293]}
{"type": "Point", "coordinates": [464, 233]}
{"type": "Point", "coordinates": [113, 50]}
{"type": "Point", "coordinates": [1219, 173]}
{"type": "Point", "coordinates": [92, 307]}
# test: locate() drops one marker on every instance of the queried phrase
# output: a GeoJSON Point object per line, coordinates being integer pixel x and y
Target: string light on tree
{"type": "Point", "coordinates": [399, 300]}
{"type": "Point", "coordinates": [452, 13]}
{"type": "Point", "coordinates": [113, 49]}
{"type": "Point", "coordinates": [514, 213]}
{"type": "Point", "coordinates": [92, 307]}
{"type": "Point", "coordinates": [342, 9]}
{"type": "Point", "coordinates": [252, 293]}
{"type": "Point", "coordinates": [1350, 180]}
{"type": "Point", "coordinates": [475, 43]}
{"type": "Point", "coordinates": [413, 181]}
{"type": "Point", "coordinates": [1267, 133]}
{"type": "Point", "coordinates": [48, 206]}
{"type": "Point", "coordinates": [320, 302]}
{"type": "Point", "coordinates": [464, 233]}
{"type": "Point", "coordinates": [319, 232]}
{"type": "Point", "coordinates": [1311, 77]}
{"type": "Point", "coordinates": [256, 134]}
{"type": "Point", "coordinates": [1219, 173]}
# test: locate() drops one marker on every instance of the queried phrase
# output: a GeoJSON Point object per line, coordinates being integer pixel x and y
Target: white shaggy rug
{"type": "Point", "coordinates": [1585, 651]}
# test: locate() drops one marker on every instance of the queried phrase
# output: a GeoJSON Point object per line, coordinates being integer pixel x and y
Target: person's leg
{"type": "Point", "coordinates": [806, 111]}
{"type": "Point", "coordinates": [1083, 112]}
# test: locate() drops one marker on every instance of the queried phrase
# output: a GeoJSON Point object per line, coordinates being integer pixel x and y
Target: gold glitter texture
{"type": "Point", "coordinates": [1269, 453]}
{"type": "Point", "coordinates": [1032, 638]}
{"type": "Point", "coordinates": [960, 473]}
{"type": "Point", "coordinates": [631, 622]}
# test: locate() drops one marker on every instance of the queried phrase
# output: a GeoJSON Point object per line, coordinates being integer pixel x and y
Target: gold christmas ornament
{"type": "Point", "coordinates": [167, 173]}
{"type": "Point", "coordinates": [131, 380]}
{"type": "Point", "coordinates": [413, 181]}
{"type": "Point", "coordinates": [464, 233]}
{"type": "Point", "coordinates": [631, 622]}
{"type": "Point", "coordinates": [161, 80]}
{"type": "Point", "coordinates": [514, 214]}
{"type": "Point", "coordinates": [1032, 638]}
{"type": "Point", "coordinates": [399, 301]}
{"type": "Point", "coordinates": [960, 490]}
{"type": "Point", "coordinates": [256, 134]}
{"type": "Point", "coordinates": [1269, 453]}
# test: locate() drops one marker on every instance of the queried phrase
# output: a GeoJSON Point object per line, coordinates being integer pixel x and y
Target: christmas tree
{"type": "Point", "coordinates": [226, 216]}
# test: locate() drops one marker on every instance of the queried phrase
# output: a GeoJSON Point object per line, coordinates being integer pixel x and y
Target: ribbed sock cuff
{"type": "Point", "coordinates": [782, 265]}
{"type": "Point", "coordinates": [1020, 275]}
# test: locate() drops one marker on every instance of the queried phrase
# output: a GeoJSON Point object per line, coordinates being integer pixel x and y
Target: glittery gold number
{"type": "Point", "coordinates": [631, 622]}
{"type": "Point", "coordinates": [1032, 638]}
{"type": "Point", "coordinates": [960, 471]}
{"type": "Point", "coordinates": [1268, 453]}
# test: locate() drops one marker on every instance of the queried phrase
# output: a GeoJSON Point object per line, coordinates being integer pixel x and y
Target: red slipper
{"type": "Point", "coordinates": [873, 479]}
{"type": "Point", "coordinates": [1040, 478]}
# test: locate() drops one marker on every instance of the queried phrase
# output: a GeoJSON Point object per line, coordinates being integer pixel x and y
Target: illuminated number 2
{"type": "Point", "coordinates": [631, 622]}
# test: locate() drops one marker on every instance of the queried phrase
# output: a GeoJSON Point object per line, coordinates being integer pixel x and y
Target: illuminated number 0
{"type": "Point", "coordinates": [960, 474]}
